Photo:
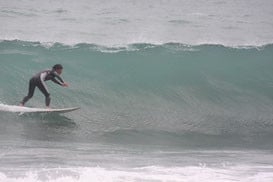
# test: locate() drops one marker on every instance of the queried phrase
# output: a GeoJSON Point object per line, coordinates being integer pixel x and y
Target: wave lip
{"type": "Point", "coordinates": [4, 43]}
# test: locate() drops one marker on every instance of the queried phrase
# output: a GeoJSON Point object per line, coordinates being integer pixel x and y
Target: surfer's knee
{"type": "Point", "coordinates": [47, 100]}
{"type": "Point", "coordinates": [46, 94]}
{"type": "Point", "coordinates": [30, 95]}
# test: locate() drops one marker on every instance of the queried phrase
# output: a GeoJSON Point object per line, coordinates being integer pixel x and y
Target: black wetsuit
{"type": "Point", "coordinates": [38, 80]}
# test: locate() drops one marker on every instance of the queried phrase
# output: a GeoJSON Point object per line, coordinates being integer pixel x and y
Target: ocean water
{"type": "Point", "coordinates": [169, 90]}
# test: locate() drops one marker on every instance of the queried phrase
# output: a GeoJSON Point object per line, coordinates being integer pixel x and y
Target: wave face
{"type": "Point", "coordinates": [147, 93]}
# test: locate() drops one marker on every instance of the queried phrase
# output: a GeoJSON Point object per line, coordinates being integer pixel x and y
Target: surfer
{"type": "Point", "coordinates": [39, 79]}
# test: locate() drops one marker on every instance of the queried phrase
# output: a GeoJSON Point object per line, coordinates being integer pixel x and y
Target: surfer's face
{"type": "Point", "coordinates": [59, 71]}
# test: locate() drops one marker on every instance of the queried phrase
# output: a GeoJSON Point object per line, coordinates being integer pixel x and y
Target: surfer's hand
{"type": "Point", "coordinates": [64, 84]}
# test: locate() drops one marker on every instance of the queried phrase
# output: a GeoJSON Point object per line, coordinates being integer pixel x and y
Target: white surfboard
{"type": "Point", "coordinates": [22, 109]}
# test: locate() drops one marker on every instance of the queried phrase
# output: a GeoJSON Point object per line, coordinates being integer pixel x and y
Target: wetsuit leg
{"type": "Point", "coordinates": [31, 88]}
{"type": "Point", "coordinates": [45, 92]}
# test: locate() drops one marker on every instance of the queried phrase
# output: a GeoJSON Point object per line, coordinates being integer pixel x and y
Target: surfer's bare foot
{"type": "Point", "coordinates": [21, 104]}
{"type": "Point", "coordinates": [47, 107]}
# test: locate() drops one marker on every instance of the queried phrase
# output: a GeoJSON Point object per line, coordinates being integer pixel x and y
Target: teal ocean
{"type": "Point", "coordinates": [207, 89]}
{"type": "Point", "coordinates": [142, 104]}
{"type": "Point", "coordinates": [168, 90]}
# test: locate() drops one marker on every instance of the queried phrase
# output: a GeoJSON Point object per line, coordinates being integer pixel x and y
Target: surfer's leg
{"type": "Point", "coordinates": [31, 88]}
{"type": "Point", "coordinates": [45, 92]}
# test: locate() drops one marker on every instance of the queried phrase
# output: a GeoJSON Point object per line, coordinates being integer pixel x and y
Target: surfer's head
{"type": "Point", "coordinates": [58, 68]}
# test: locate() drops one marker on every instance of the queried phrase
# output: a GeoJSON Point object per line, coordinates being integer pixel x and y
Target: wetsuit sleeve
{"type": "Point", "coordinates": [56, 81]}
{"type": "Point", "coordinates": [59, 78]}
{"type": "Point", "coordinates": [60, 82]}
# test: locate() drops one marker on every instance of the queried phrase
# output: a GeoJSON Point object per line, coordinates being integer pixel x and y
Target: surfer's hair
{"type": "Point", "coordinates": [57, 66]}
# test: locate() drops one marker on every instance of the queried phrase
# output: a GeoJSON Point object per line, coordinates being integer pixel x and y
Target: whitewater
{"type": "Point", "coordinates": [169, 90]}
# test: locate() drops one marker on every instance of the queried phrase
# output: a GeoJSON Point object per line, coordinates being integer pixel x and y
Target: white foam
{"type": "Point", "coordinates": [150, 173]}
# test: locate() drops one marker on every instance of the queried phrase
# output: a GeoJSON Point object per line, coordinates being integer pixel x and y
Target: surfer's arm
{"type": "Point", "coordinates": [56, 81]}
{"type": "Point", "coordinates": [59, 81]}
{"type": "Point", "coordinates": [59, 78]}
